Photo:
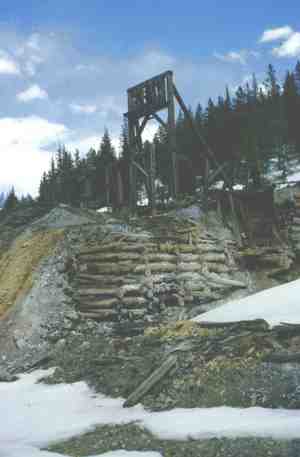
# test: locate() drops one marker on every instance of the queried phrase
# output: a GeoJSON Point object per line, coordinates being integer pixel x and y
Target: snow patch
{"type": "Point", "coordinates": [275, 305]}
{"type": "Point", "coordinates": [37, 415]}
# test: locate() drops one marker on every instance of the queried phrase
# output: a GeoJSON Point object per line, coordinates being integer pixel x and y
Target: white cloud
{"type": "Point", "coordinates": [276, 34]}
{"type": "Point", "coordinates": [150, 130]}
{"type": "Point", "coordinates": [248, 79]}
{"type": "Point", "coordinates": [33, 42]}
{"type": "Point", "coordinates": [240, 57]}
{"type": "Point", "coordinates": [83, 109]}
{"type": "Point", "coordinates": [290, 47]}
{"type": "Point", "coordinates": [24, 154]}
{"type": "Point", "coordinates": [32, 93]}
{"type": "Point", "coordinates": [7, 65]}
{"type": "Point", "coordinates": [84, 144]}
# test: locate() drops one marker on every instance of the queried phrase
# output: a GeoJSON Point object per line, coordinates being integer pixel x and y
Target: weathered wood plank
{"type": "Point", "coordinates": [117, 246]}
{"type": "Point", "coordinates": [134, 301]}
{"type": "Point", "coordinates": [110, 257]}
{"type": "Point", "coordinates": [109, 303]}
{"type": "Point", "coordinates": [98, 292]}
{"type": "Point", "coordinates": [101, 315]}
{"type": "Point", "coordinates": [150, 382]}
{"type": "Point", "coordinates": [283, 358]}
{"type": "Point", "coordinates": [156, 267]}
{"type": "Point", "coordinates": [255, 323]}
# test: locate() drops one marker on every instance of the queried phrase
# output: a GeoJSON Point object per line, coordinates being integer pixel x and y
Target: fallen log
{"type": "Point", "coordinates": [213, 277]}
{"type": "Point", "coordinates": [282, 358]}
{"type": "Point", "coordinates": [286, 329]}
{"type": "Point", "coordinates": [256, 324]}
{"type": "Point", "coordinates": [150, 382]}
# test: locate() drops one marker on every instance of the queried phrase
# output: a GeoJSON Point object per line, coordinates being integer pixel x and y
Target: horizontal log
{"type": "Point", "coordinates": [99, 291]}
{"type": "Point", "coordinates": [134, 301]}
{"type": "Point", "coordinates": [156, 267]}
{"type": "Point", "coordinates": [283, 358]}
{"type": "Point", "coordinates": [189, 266]}
{"type": "Point", "coordinates": [210, 248]}
{"type": "Point", "coordinates": [101, 315]}
{"type": "Point", "coordinates": [110, 257]}
{"type": "Point", "coordinates": [290, 325]}
{"type": "Point", "coordinates": [109, 303]}
{"type": "Point", "coordinates": [130, 289]}
{"type": "Point", "coordinates": [111, 269]}
{"type": "Point", "coordinates": [295, 229]}
{"type": "Point", "coordinates": [189, 276]}
{"type": "Point", "coordinates": [163, 277]}
{"type": "Point", "coordinates": [137, 313]}
{"type": "Point", "coordinates": [218, 258]}
{"type": "Point", "coordinates": [258, 324]}
{"type": "Point", "coordinates": [177, 248]}
{"type": "Point", "coordinates": [189, 257]}
{"type": "Point", "coordinates": [119, 247]}
{"type": "Point", "coordinates": [217, 268]}
{"type": "Point", "coordinates": [104, 280]}
{"type": "Point", "coordinates": [213, 277]}
{"type": "Point", "coordinates": [159, 257]}
{"type": "Point", "coordinates": [296, 220]}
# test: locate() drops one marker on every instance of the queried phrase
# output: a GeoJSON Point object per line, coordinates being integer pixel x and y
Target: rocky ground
{"type": "Point", "coordinates": [221, 365]}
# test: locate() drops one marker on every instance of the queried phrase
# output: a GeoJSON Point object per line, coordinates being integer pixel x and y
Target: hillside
{"type": "Point", "coordinates": [107, 301]}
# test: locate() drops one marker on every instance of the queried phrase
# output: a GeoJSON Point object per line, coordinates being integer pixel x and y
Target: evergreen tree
{"type": "Point", "coordinates": [11, 201]}
{"type": "Point", "coordinates": [290, 105]}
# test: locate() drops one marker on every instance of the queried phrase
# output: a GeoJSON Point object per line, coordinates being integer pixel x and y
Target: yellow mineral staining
{"type": "Point", "coordinates": [179, 329]}
{"type": "Point", "coordinates": [19, 262]}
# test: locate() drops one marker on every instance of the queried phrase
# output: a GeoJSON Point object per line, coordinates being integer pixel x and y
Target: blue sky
{"type": "Point", "coordinates": [65, 65]}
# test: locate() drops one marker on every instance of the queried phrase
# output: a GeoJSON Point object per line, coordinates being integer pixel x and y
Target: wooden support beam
{"type": "Point", "coordinates": [159, 119]}
{"type": "Point", "coordinates": [171, 131]}
{"type": "Point", "coordinates": [140, 168]}
{"type": "Point", "coordinates": [216, 172]}
{"type": "Point", "coordinates": [152, 174]}
{"type": "Point", "coordinates": [143, 125]}
{"type": "Point", "coordinates": [209, 153]}
{"type": "Point", "coordinates": [235, 221]}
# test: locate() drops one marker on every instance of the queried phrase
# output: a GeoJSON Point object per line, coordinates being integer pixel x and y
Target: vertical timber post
{"type": "Point", "coordinates": [172, 131]}
{"type": "Point", "coordinates": [152, 173]}
{"type": "Point", "coordinates": [132, 129]}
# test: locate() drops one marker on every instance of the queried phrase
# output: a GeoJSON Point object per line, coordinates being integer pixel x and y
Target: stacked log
{"type": "Point", "coordinates": [131, 276]}
{"type": "Point", "coordinates": [295, 226]}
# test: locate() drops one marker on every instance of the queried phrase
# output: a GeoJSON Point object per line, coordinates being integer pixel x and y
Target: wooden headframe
{"type": "Point", "coordinates": [145, 100]}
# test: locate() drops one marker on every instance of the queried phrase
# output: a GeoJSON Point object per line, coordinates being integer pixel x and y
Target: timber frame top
{"type": "Point", "coordinates": [148, 97]}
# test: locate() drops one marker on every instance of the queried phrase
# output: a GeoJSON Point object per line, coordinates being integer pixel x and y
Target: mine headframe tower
{"type": "Point", "coordinates": [145, 100]}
